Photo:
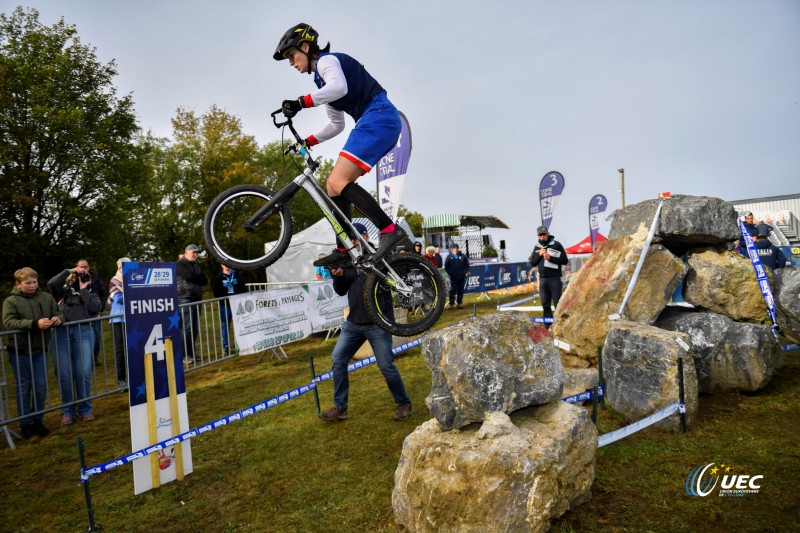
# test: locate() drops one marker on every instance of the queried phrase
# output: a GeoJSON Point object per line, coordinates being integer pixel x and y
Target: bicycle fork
{"type": "Point", "coordinates": [268, 209]}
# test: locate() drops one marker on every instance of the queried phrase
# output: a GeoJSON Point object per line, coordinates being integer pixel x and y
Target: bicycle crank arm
{"type": "Point", "coordinates": [280, 198]}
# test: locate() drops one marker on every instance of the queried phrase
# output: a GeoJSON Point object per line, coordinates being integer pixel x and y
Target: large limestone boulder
{"type": "Point", "coordinates": [640, 367]}
{"type": "Point", "coordinates": [728, 355]}
{"type": "Point", "coordinates": [596, 291]}
{"type": "Point", "coordinates": [510, 474]}
{"type": "Point", "coordinates": [684, 219]}
{"type": "Point", "coordinates": [499, 362]}
{"type": "Point", "coordinates": [724, 282]}
{"type": "Point", "coordinates": [786, 292]}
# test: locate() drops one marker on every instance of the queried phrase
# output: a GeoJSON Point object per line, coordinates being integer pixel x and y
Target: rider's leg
{"type": "Point", "coordinates": [342, 183]}
{"type": "Point", "coordinates": [344, 192]}
{"type": "Point", "coordinates": [344, 172]}
{"type": "Point", "coordinates": [347, 210]}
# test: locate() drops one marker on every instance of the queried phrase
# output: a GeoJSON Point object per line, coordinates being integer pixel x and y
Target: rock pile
{"type": "Point", "coordinates": [727, 333]}
{"type": "Point", "coordinates": [503, 452]}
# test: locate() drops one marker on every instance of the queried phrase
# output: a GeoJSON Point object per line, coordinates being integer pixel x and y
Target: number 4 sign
{"type": "Point", "coordinates": [151, 316]}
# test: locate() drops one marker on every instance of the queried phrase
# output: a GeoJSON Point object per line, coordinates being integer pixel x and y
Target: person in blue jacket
{"type": "Point", "coordinates": [457, 267]}
{"type": "Point", "coordinates": [117, 300]}
{"type": "Point", "coordinates": [345, 87]}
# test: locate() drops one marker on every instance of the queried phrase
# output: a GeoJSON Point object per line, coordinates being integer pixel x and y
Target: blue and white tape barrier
{"type": "Point", "coordinates": [517, 302]}
{"type": "Point", "coordinates": [224, 421]}
{"type": "Point", "coordinates": [540, 320]}
{"type": "Point", "coordinates": [790, 347]}
{"type": "Point", "coordinates": [613, 436]}
{"type": "Point", "coordinates": [584, 396]}
{"type": "Point", "coordinates": [761, 277]}
{"type": "Point", "coordinates": [238, 415]}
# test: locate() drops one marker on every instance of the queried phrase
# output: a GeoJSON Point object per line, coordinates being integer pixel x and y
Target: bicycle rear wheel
{"type": "Point", "coordinates": [228, 240]}
{"type": "Point", "coordinates": [422, 307]}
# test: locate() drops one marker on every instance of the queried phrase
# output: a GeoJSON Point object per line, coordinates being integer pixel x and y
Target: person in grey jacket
{"type": "Point", "coordinates": [30, 310]}
{"type": "Point", "coordinates": [73, 343]}
{"type": "Point", "coordinates": [191, 281]}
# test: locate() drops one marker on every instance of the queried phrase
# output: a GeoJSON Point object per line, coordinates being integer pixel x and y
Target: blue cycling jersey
{"type": "Point", "coordinates": [361, 86]}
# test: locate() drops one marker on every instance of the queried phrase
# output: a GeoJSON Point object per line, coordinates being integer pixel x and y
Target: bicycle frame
{"type": "Point", "coordinates": [307, 180]}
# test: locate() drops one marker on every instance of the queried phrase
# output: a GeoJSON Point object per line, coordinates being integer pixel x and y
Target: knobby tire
{"type": "Point", "coordinates": [230, 243]}
{"type": "Point", "coordinates": [423, 307]}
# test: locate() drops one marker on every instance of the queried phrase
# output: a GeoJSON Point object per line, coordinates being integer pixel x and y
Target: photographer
{"type": "Point", "coordinates": [98, 288]}
{"type": "Point", "coordinates": [74, 343]}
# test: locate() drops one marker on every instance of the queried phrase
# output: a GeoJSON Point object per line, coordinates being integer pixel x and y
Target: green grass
{"type": "Point", "coordinates": [285, 470]}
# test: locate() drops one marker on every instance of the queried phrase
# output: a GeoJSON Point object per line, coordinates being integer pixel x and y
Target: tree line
{"type": "Point", "coordinates": [80, 179]}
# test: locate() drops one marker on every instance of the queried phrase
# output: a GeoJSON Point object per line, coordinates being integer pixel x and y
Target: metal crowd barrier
{"type": "Point", "coordinates": [208, 350]}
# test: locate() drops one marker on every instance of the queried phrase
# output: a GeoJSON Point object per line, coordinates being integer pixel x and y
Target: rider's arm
{"type": "Point", "coordinates": [330, 70]}
{"type": "Point", "coordinates": [331, 129]}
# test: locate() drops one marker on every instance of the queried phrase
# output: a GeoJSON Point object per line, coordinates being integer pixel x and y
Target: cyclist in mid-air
{"type": "Point", "coordinates": [344, 86]}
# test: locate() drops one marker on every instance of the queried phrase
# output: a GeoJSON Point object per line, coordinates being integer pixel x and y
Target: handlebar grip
{"type": "Point", "coordinates": [274, 116]}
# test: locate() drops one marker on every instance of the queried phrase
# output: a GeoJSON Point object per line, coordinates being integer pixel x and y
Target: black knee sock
{"type": "Point", "coordinates": [366, 204]}
{"type": "Point", "coordinates": [346, 208]}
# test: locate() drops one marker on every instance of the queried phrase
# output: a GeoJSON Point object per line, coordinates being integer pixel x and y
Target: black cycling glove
{"type": "Point", "coordinates": [291, 107]}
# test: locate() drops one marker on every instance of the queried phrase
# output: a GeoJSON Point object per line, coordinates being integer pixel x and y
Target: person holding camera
{"type": "Point", "coordinates": [72, 342]}
{"type": "Point", "coordinates": [550, 258]}
{"type": "Point", "coordinates": [98, 288]}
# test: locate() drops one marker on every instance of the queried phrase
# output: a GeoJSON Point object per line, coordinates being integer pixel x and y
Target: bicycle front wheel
{"type": "Point", "coordinates": [231, 243]}
{"type": "Point", "coordinates": [406, 314]}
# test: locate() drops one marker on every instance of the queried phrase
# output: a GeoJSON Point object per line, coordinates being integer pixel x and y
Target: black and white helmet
{"type": "Point", "coordinates": [293, 38]}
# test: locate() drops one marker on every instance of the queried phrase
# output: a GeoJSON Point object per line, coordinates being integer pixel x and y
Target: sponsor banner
{"type": "Point", "coordinates": [597, 205]}
{"type": "Point", "coordinates": [391, 171]}
{"type": "Point", "coordinates": [151, 315]}
{"type": "Point", "coordinates": [493, 276]}
{"type": "Point", "coordinates": [550, 188]}
{"type": "Point", "coordinates": [268, 319]}
{"type": "Point", "coordinates": [326, 308]}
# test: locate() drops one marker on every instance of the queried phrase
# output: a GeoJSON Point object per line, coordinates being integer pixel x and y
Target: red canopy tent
{"type": "Point", "coordinates": [585, 246]}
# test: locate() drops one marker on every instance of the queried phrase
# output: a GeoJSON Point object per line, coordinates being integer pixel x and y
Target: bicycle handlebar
{"type": "Point", "coordinates": [302, 145]}
{"type": "Point", "coordinates": [287, 122]}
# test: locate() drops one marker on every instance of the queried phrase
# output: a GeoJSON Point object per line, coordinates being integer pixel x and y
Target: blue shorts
{"type": "Point", "coordinates": [376, 133]}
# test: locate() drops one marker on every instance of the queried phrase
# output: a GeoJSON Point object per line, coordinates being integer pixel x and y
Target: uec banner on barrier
{"type": "Point", "coordinates": [267, 319]}
{"type": "Point", "coordinates": [493, 276]}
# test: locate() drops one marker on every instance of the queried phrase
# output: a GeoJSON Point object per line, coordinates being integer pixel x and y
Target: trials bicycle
{"type": "Point", "coordinates": [249, 226]}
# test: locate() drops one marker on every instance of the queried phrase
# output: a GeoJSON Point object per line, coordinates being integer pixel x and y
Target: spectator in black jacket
{"type": "Point", "coordinates": [457, 267]}
{"type": "Point", "coordinates": [100, 290]}
{"type": "Point", "coordinates": [549, 257]}
{"type": "Point", "coordinates": [73, 343]}
{"type": "Point", "coordinates": [191, 281]}
{"type": "Point", "coordinates": [357, 329]}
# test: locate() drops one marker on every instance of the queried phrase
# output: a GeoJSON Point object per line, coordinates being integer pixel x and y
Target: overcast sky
{"type": "Point", "coordinates": [693, 97]}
